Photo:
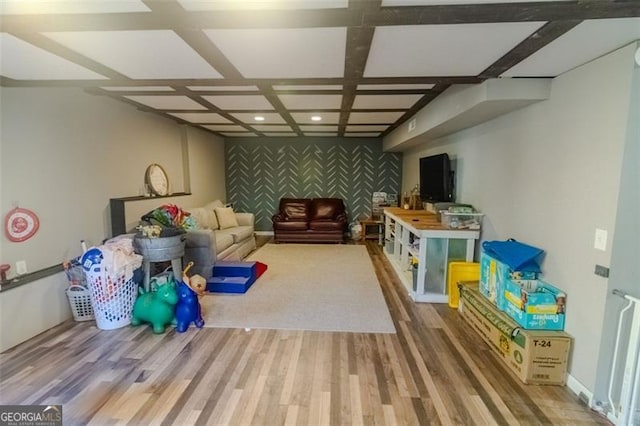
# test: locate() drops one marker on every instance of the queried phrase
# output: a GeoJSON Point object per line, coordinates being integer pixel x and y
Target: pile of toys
{"type": "Point", "coordinates": [171, 303]}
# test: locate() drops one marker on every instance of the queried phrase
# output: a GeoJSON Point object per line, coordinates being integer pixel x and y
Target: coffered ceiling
{"type": "Point", "coordinates": [362, 66]}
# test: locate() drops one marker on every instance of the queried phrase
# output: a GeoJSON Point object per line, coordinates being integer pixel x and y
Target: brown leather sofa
{"type": "Point", "coordinates": [310, 220]}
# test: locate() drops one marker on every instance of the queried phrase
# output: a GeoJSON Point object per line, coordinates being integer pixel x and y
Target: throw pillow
{"type": "Point", "coordinates": [205, 218]}
{"type": "Point", "coordinates": [226, 217]}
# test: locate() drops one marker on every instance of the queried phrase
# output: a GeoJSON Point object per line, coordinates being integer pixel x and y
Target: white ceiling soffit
{"type": "Point", "coordinates": [305, 117]}
{"type": "Point", "coordinates": [167, 102]}
{"type": "Point", "coordinates": [30, 7]}
{"type": "Point", "coordinates": [452, 50]}
{"type": "Point", "coordinates": [225, 127]}
{"type": "Point", "coordinates": [463, 106]}
{"type": "Point", "coordinates": [223, 88]}
{"type": "Point", "coordinates": [311, 101]}
{"type": "Point", "coordinates": [201, 117]}
{"type": "Point", "coordinates": [23, 61]}
{"type": "Point", "coordinates": [319, 128]}
{"type": "Point", "coordinates": [395, 86]}
{"type": "Point", "coordinates": [195, 5]}
{"type": "Point", "coordinates": [264, 128]}
{"type": "Point", "coordinates": [590, 39]}
{"type": "Point", "coordinates": [139, 88]}
{"type": "Point", "coordinates": [385, 101]}
{"type": "Point", "coordinates": [374, 117]}
{"type": "Point", "coordinates": [380, 128]}
{"type": "Point", "coordinates": [283, 53]}
{"type": "Point", "coordinates": [269, 117]}
{"type": "Point", "coordinates": [154, 54]}
{"type": "Point", "coordinates": [248, 102]}
{"type": "Point", "coordinates": [280, 134]}
{"type": "Point", "coordinates": [289, 88]}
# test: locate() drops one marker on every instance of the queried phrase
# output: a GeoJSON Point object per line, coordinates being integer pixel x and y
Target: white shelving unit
{"type": "Point", "coordinates": [436, 247]}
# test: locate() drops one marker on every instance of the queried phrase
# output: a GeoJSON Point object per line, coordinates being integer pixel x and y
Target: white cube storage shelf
{"type": "Point", "coordinates": [418, 234]}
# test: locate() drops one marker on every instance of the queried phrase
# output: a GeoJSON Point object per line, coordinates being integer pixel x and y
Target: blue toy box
{"type": "Point", "coordinates": [494, 274]}
{"type": "Point", "coordinates": [234, 277]}
{"type": "Point", "coordinates": [534, 304]}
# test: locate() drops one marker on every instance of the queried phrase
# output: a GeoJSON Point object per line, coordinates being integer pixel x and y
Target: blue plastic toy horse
{"type": "Point", "coordinates": [188, 307]}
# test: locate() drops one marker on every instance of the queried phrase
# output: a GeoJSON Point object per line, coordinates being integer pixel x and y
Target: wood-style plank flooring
{"type": "Point", "coordinates": [433, 371]}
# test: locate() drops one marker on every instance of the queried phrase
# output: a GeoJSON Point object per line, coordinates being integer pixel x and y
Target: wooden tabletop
{"type": "Point", "coordinates": [419, 219]}
{"type": "Point", "coordinates": [402, 212]}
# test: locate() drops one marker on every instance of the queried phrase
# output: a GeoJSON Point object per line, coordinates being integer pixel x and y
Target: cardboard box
{"type": "Point", "coordinates": [534, 304]}
{"type": "Point", "coordinates": [535, 357]}
{"type": "Point", "coordinates": [493, 275]}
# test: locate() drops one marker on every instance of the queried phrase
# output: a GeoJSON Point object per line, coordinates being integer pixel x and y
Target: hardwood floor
{"type": "Point", "coordinates": [433, 371]}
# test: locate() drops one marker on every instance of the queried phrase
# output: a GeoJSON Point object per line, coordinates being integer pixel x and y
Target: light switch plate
{"type": "Point", "coordinates": [600, 241]}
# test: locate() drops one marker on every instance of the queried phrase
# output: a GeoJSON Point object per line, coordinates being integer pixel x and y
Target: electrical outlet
{"type": "Point", "coordinates": [21, 267]}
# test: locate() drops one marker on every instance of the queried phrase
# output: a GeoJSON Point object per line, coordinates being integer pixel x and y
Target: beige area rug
{"type": "Point", "coordinates": [321, 287]}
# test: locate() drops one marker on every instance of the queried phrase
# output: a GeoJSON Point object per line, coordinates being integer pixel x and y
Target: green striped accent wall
{"type": "Point", "coordinates": [260, 171]}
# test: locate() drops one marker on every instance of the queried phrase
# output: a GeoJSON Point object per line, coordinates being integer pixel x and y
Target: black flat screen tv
{"type": "Point", "coordinates": [436, 178]}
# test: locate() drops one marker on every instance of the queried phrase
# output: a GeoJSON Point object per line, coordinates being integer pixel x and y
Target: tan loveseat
{"type": "Point", "coordinates": [221, 234]}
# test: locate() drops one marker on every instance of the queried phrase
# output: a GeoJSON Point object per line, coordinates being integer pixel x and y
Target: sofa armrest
{"type": "Point", "coordinates": [195, 238]}
{"type": "Point", "coordinates": [246, 219]}
{"type": "Point", "coordinates": [200, 248]}
{"type": "Point", "coordinates": [278, 217]}
{"type": "Point", "coordinates": [342, 217]}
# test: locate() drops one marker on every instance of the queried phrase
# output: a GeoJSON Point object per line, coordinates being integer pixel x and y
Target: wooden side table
{"type": "Point", "coordinates": [379, 232]}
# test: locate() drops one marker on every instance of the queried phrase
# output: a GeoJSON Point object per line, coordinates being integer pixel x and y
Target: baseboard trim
{"type": "Point", "coordinates": [580, 390]}
{"type": "Point", "coordinates": [265, 233]}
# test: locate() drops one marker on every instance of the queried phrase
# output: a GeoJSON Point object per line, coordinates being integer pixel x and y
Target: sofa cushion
{"type": "Point", "coordinates": [326, 225]}
{"type": "Point", "coordinates": [205, 218]}
{"type": "Point", "coordinates": [295, 208]}
{"type": "Point", "coordinates": [226, 217]}
{"type": "Point", "coordinates": [241, 233]}
{"type": "Point", "coordinates": [326, 208]}
{"type": "Point", "coordinates": [290, 225]}
{"type": "Point", "coordinates": [212, 205]}
{"type": "Point", "coordinates": [224, 239]}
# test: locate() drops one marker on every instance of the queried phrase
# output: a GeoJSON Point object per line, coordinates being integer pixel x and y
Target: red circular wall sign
{"type": "Point", "coordinates": [20, 224]}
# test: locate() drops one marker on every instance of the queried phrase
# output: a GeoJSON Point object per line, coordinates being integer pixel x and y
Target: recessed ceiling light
{"type": "Point", "coordinates": [316, 118]}
{"type": "Point", "coordinates": [258, 118]}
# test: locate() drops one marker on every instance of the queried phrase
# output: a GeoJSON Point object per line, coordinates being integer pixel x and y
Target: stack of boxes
{"type": "Point", "coordinates": [532, 303]}
{"type": "Point", "coordinates": [520, 317]}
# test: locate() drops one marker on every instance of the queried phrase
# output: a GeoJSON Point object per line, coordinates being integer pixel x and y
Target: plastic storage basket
{"type": "Point", "coordinates": [460, 271]}
{"type": "Point", "coordinates": [80, 302]}
{"type": "Point", "coordinates": [112, 296]}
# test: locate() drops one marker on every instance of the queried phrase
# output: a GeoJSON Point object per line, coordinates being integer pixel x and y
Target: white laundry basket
{"type": "Point", "coordinates": [80, 302]}
{"type": "Point", "coordinates": [112, 296]}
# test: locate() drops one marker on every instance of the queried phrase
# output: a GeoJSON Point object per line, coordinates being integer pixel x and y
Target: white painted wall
{"type": "Point", "coordinates": [64, 154]}
{"type": "Point", "coordinates": [548, 175]}
{"type": "Point", "coordinates": [625, 248]}
{"type": "Point", "coordinates": [31, 309]}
